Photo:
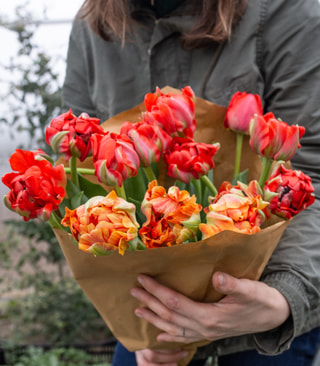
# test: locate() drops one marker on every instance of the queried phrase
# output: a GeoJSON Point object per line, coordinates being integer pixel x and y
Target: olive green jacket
{"type": "Point", "coordinates": [274, 52]}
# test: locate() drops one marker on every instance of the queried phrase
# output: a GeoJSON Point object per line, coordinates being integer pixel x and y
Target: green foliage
{"type": "Point", "coordinates": [55, 309]}
{"type": "Point", "coordinates": [34, 98]}
{"type": "Point", "coordinates": [55, 357]}
{"type": "Point", "coordinates": [58, 313]}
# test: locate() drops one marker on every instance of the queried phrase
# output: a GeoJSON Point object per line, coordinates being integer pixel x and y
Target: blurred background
{"type": "Point", "coordinates": [45, 319]}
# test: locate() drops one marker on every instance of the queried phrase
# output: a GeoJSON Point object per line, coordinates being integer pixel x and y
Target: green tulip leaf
{"type": "Point", "coordinates": [91, 189]}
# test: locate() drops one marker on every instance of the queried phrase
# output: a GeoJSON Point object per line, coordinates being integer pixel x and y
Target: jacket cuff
{"type": "Point", "coordinates": [278, 340]}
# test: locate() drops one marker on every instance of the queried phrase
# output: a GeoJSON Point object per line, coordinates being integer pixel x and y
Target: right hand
{"type": "Point", "coordinates": [148, 357]}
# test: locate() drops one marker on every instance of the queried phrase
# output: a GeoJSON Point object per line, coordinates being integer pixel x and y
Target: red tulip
{"type": "Point", "coordinates": [172, 218]}
{"type": "Point", "coordinates": [149, 140]}
{"type": "Point", "coordinates": [37, 188]}
{"type": "Point", "coordinates": [289, 192]}
{"type": "Point", "coordinates": [114, 157]}
{"type": "Point", "coordinates": [273, 138]}
{"type": "Point", "coordinates": [70, 135]}
{"type": "Point", "coordinates": [187, 160]}
{"type": "Point", "coordinates": [173, 112]}
{"type": "Point", "coordinates": [241, 109]}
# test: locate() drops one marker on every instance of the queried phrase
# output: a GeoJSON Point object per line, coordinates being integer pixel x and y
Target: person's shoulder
{"type": "Point", "coordinates": [80, 25]}
{"type": "Point", "coordinates": [290, 10]}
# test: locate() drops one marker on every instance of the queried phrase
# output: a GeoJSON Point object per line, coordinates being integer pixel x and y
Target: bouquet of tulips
{"type": "Point", "coordinates": [167, 176]}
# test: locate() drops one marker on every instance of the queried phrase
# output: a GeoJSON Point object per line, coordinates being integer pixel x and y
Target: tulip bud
{"type": "Point", "coordinates": [241, 109]}
{"type": "Point", "coordinates": [273, 138]}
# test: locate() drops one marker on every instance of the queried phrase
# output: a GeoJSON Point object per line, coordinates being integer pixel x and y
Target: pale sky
{"type": "Point", "coordinates": [53, 39]}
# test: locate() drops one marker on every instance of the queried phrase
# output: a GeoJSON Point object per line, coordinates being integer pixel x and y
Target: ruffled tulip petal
{"type": "Point", "coordinates": [37, 189]}
{"type": "Point", "coordinates": [171, 218]}
{"type": "Point", "coordinates": [103, 222]}
{"type": "Point", "coordinates": [273, 138]}
{"type": "Point", "coordinates": [289, 192]}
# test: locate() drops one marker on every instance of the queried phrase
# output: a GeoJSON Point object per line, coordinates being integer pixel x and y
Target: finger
{"type": "Point", "coordinates": [229, 285]}
{"type": "Point", "coordinates": [165, 337]}
{"type": "Point", "coordinates": [170, 328]}
{"type": "Point", "coordinates": [169, 298]}
{"type": "Point", "coordinates": [163, 318]}
{"type": "Point", "coordinates": [163, 357]}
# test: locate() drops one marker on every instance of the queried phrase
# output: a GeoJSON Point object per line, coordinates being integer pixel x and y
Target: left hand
{"type": "Point", "coordinates": [247, 307]}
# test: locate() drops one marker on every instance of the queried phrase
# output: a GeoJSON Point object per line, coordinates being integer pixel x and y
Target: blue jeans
{"type": "Point", "coordinates": [301, 353]}
{"type": "Point", "coordinates": [122, 357]}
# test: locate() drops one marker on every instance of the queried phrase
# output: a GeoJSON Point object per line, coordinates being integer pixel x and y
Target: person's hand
{"type": "Point", "coordinates": [148, 357]}
{"type": "Point", "coordinates": [247, 307]}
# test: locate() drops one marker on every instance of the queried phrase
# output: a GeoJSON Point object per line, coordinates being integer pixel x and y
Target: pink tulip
{"type": "Point", "coordinates": [241, 109]}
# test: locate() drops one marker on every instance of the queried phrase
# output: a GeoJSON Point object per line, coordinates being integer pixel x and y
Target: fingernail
{"type": "Point", "coordinates": [140, 280]}
{"type": "Point", "coordinates": [133, 293]}
{"type": "Point", "coordinates": [138, 314]}
{"type": "Point", "coordinates": [221, 279]}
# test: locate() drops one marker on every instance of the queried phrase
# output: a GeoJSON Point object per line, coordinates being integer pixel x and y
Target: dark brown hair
{"type": "Point", "coordinates": [215, 19]}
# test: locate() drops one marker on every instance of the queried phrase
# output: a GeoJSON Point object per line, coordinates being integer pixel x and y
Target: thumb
{"type": "Point", "coordinates": [226, 284]}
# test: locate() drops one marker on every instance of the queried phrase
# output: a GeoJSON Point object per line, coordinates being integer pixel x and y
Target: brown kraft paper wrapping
{"type": "Point", "coordinates": [187, 268]}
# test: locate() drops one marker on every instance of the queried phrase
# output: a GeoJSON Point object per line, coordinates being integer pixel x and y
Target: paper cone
{"type": "Point", "coordinates": [188, 269]}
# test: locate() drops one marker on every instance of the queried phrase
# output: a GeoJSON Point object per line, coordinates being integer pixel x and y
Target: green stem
{"type": "Point", "coordinates": [84, 171]}
{"type": "Point", "coordinates": [54, 222]}
{"type": "Point", "coordinates": [266, 166]}
{"type": "Point", "coordinates": [238, 155]}
{"type": "Point", "coordinates": [73, 171]}
{"type": "Point", "coordinates": [209, 185]}
{"type": "Point", "coordinates": [197, 186]}
{"type": "Point", "coordinates": [149, 173]}
{"type": "Point", "coordinates": [121, 192]}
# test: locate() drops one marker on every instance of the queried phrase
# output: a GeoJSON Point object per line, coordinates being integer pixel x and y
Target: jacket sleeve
{"type": "Point", "coordinates": [75, 91]}
{"type": "Point", "coordinates": [288, 51]}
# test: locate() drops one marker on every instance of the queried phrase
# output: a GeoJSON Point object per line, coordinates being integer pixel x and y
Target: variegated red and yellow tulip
{"type": "Point", "coordinates": [237, 208]}
{"type": "Point", "coordinates": [164, 133]}
{"type": "Point", "coordinates": [173, 112]}
{"type": "Point", "coordinates": [70, 135]}
{"type": "Point", "coordinates": [37, 188]}
{"type": "Point", "coordinates": [289, 192]}
{"type": "Point", "coordinates": [273, 138]}
{"type": "Point", "coordinates": [187, 160]}
{"type": "Point", "coordinates": [114, 157]}
{"type": "Point", "coordinates": [242, 108]}
{"type": "Point", "coordinates": [172, 218]}
{"type": "Point", "coordinates": [103, 224]}
{"type": "Point", "coordinates": [149, 140]}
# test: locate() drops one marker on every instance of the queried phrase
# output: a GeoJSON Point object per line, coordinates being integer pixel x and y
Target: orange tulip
{"type": "Point", "coordinates": [237, 208]}
{"type": "Point", "coordinates": [172, 218]}
{"type": "Point", "coordinates": [103, 224]}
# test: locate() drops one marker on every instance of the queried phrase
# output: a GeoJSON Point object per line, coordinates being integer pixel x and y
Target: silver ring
{"type": "Point", "coordinates": [183, 332]}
